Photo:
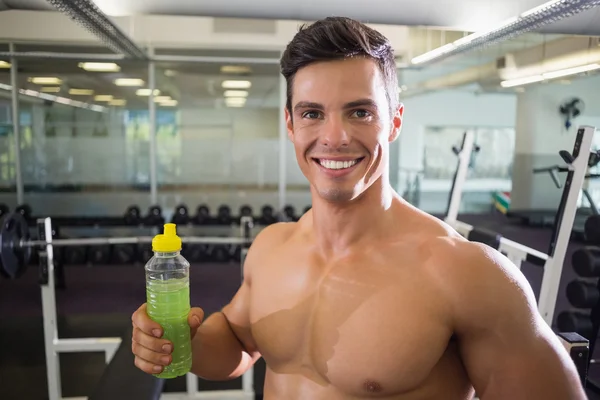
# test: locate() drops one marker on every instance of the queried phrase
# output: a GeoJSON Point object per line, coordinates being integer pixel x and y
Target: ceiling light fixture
{"type": "Point", "coordinates": [4, 64]}
{"type": "Point", "coordinates": [81, 92]}
{"type": "Point", "coordinates": [549, 75]}
{"type": "Point", "coordinates": [169, 103]}
{"type": "Point", "coordinates": [235, 101]}
{"type": "Point", "coordinates": [117, 102]}
{"type": "Point", "coordinates": [50, 89]}
{"type": "Point", "coordinates": [235, 93]}
{"type": "Point", "coordinates": [56, 99]}
{"type": "Point", "coordinates": [235, 69]}
{"type": "Point", "coordinates": [236, 84]}
{"type": "Point", "coordinates": [546, 13]}
{"type": "Point", "coordinates": [103, 97]}
{"type": "Point", "coordinates": [99, 67]}
{"type": "Point", "coordinates": [146, 92]}
{"type": "Point", "coordinates": [45, 80]}
{"type": "Point", "coordinates": [129, 82]}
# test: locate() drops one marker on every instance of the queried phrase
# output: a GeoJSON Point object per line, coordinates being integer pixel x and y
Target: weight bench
{"type": "Point", "coordinates": [123, 380]}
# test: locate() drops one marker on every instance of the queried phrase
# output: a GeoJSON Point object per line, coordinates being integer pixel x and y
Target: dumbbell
{"type": "Point", "coordinates": [224, 215]}
{"type": "Point", "coordinates": [24, 210]}
{"type": "Point", "coordinates": [75, 255]}
{"type": "Point", "coordinates": [144, 252]}
{"type": "Point", "coordinates": [219, 253]}
{"type": "Point", "coordinates": [202, 215]}
{"type": "Point", "coordinates": [196, 252]}
{"type": "Point", "coordinates": [181, 216]}
{"type": "Point", "coordinates": [267, 217]}
{"type": "Point", "coordinates": [4, 210]}
{"type": "Point", "coordinates": [99, 254]}
{"type": "Point", "coordinates": [245, 211]}
{"type": "Point", "coordinates": [154, 217]}
{"type": "Point", "coordinates": [307, 209]}
{"type": "Point", "coordinates": [592, 229]}
{"type": "Point", "coordinates": [290, 213]}
{"type": "Point", "coordinates": [124, 253]}
{"type": "Point", "coordinates": [132, 215]}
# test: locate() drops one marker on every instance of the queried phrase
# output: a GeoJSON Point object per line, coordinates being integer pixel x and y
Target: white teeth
{"type": "Point", "coordinates": [330, 164]}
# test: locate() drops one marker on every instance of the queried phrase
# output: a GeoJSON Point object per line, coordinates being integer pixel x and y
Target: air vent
{"type": "Point", "coordinates": [245, 26]}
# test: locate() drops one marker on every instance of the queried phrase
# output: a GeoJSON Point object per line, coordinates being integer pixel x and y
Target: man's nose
{"type": "Point", "coordinates": [334, 134]}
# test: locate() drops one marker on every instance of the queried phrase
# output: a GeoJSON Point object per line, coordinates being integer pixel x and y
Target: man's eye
{"type": "Point", "coordinates": [311, 114]}
{"type": "Point", "coordinates": [362, 114]}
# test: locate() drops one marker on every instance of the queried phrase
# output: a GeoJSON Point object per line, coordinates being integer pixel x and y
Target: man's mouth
{"type": "Point", "coordinates": [338, 164]}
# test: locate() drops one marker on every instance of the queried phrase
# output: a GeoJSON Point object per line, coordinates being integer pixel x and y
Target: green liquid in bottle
{"type": "Point", "coordinates": [168, 304]}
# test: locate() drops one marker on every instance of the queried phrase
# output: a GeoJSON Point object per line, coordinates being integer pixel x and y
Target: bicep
{"type": "Point", "coordinates": [522, 361]}
{"type": "Point", "coordinates": [507, 348]}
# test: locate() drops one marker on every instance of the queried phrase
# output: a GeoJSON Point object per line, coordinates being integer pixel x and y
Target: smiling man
{"type": "Point", "coordinates": [366, 296]}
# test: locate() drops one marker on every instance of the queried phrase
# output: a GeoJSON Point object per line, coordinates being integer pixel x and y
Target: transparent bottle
{"type": "Point", "coordinates": [168, 298]}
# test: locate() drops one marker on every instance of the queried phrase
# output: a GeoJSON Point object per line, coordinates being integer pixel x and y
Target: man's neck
{"type": "Point", "coordinates": [338, 226]}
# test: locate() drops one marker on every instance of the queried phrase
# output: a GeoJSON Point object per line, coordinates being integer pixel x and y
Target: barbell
{"type": "Point", "coordinates": [16, 245]}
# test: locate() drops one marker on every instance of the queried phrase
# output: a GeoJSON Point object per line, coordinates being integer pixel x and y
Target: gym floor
{"type": "Point", "coordinates": [98, 301]}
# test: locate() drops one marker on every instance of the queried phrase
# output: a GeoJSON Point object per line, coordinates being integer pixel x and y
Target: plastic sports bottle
{"type": "Point", "coordinates": [168, 298]}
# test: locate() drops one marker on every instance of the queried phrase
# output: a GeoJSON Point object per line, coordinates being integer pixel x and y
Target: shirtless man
{"type": "Point", "coordinates": [366, 296]}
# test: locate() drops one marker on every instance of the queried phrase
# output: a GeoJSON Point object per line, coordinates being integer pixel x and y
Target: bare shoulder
{"type": "Point", "coordinates": [268, 240]}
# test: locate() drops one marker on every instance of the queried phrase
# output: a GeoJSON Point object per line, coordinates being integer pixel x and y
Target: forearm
{"type": "Point", "coordinates": [217, 354]}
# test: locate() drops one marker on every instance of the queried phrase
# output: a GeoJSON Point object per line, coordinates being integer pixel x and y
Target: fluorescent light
{"type": "Point", "coordinates": [433, 53]}
{"type": "Point", "coordinates": [236, 84]}
{"type": "Point", "coordinates": [117, 102]}
{"type": "Point", "coordinates": [81, 92]}
{"type": "Point", "coordinates": [146, 92]}
{"type": "Point", "coordinates": [99, 67]}
{"type": "Point", "coordinates": [45, 80]}
{"type": "Point", "coordinates": [50, 89]}
{"type": "Point", "coordinates": [550, 75]}
{"type": "Point", "coordinates": [235, 93]}
{"type": "Point", "coordinates": [4, 64]}
{"type": "Point", "coordinates": [522, 81]}
{"type": "Point", "coordinates": [571, 71]}
{"type": "Point", "coordinates": [160, 99]}
{"type": "Point", "coordinates": [235, 101]}
{"type": "Point", "coordinates": [56, 99]}
{"type": "Point", "coordinates": [169, 103]}
{"type": "Point", "coordinates": [103, 97]}
{"type": "Point", "coordinates": [170, 73]}
{"type": "Point", "coordinates": [235, 69]}
{"type": "Point", "coordinates": [129, 82]}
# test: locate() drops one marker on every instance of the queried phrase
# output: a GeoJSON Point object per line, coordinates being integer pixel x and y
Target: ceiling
{"type": "Point", "coordinates": [433, 23]}
{"type": "Point", "coordinates": [468, 15]}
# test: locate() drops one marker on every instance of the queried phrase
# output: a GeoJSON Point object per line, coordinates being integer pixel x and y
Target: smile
{"type": "Point", "coordinates": [338, 164]}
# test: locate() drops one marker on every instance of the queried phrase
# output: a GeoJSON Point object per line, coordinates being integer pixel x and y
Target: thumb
{"type": "Point", "coordinates": [195, 318]}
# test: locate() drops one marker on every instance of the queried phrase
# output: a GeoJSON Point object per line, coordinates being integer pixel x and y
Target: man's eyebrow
{"type": "Point", "coordinates": [308, 104]}
{"type": "Point", "coordinates": [360, 103]}
{"type": "Point", "coordinates": [353, 104]}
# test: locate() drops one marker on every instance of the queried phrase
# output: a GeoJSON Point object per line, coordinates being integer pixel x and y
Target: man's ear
{"type": "Point", "coordinates": [289, 124]}
{"type": "Point", "coordinates": [397, 123]}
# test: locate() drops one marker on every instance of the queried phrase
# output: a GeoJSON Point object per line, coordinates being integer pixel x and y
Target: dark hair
{"type": "Point", "coordinates": [338, 38]}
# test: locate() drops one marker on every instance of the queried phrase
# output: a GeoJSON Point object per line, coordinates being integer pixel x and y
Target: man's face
{"type": "Point", "coordinates": [341, 126]}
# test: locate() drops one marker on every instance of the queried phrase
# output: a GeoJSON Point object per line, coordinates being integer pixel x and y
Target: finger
{"type": "Point", "coordinates": [147, 367]}
{"type": "Point", "coordinates": [150, 342]}
{"type": "Point", "coordinates": [195, 318]}
{"type": "Point", "coordinates": [149, 355]}
{"type": "Point", "coordinates": [142, 321]}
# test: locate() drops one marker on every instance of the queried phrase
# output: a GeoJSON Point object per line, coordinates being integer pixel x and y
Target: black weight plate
{"type": "Point", "coordinates": [14, 258]}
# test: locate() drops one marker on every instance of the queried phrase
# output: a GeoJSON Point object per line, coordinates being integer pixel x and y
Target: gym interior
{"type": "Point", "coordinates": [116, 117]}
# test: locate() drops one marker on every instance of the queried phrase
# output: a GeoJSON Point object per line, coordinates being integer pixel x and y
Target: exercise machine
{"type": "Point", "coordinates": [545, 217]}
{"type": "Point", "coordinates": [552, 261]}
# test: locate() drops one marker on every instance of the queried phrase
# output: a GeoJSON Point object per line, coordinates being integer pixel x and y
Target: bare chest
{"type": "Point", "coordinates": [362, 328]}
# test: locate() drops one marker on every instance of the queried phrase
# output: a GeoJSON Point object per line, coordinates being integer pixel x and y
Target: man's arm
{"type": "Point", "coordinates": [224, 347]}
{"type": "Point", "coordinates": [509, 351]}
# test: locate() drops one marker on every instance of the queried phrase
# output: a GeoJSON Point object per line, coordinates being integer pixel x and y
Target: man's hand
{"type": "Point", "coordinates": [151, 352]}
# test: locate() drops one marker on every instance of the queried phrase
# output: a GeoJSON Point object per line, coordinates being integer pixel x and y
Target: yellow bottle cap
{"type": "Point", "coordinates": [168, 242]}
